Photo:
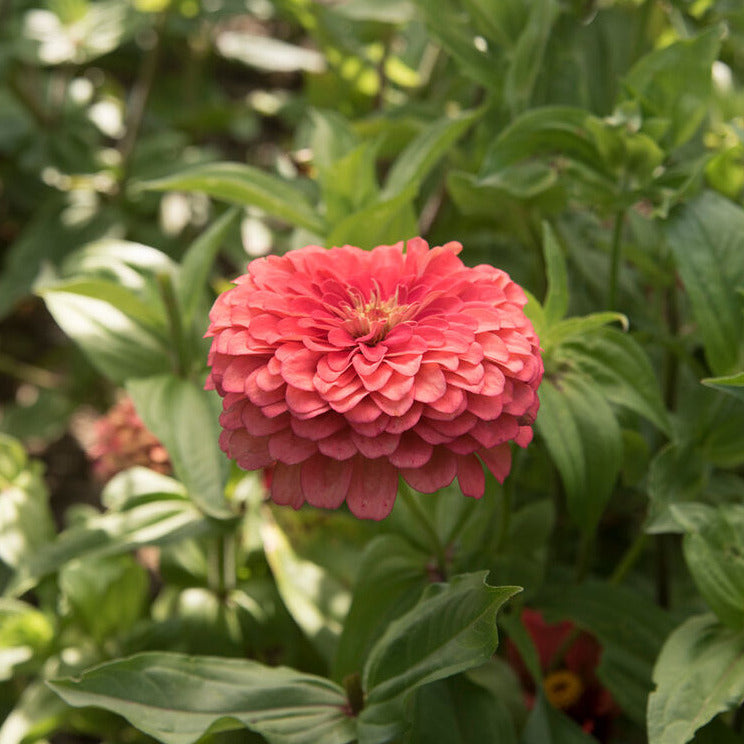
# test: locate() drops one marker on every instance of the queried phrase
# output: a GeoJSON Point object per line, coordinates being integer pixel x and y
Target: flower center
{"type": "Point", "coordinates": [371, 319]}
{"type": "Point", "coordinates": [563, 688]}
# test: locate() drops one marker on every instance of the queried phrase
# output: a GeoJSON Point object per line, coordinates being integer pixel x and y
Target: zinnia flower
{"type": "Point", "coordinates": [569, 660]}
{"type": "Point", "coordinates": [344, 368]}
{"type": "Point", "coordinates": [121, 441]}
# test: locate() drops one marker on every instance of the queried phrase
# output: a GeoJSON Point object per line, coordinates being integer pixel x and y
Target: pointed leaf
{"type": "Point", "coordinates": [177, 698]}
{"type": "Point", "coordinates": [198, 261]}
{"type": "Point", "coordinates": [556, 298]}
{"type": "Point", "coordinates": [584, 440]}
{"type": "Point", "coordinates": [183, 417]}
{"type": "Point", "coordinates": [731, 384]}
{"type": "Point", "coordinates": [620, 367]}
{"type": "Point", "coordinates": [714, 553]}
{"type": "Point", "coordinates": [527, 54]}
{"type": "Point", "coordinates": [317, 602]}
{"type": "Point", "coordinates": [707, 239]}
{"type": "Point", "coordinates": [151, 523]}
{"type": "Point", "coordinates": [119, 346]}
{"type": "Point", "coordinates": [451, 629]}
{"type": "Point", "coordinates": [391, 577]}
{"type": "Point", "coordinates": [423, 153]}
{"type": "Point", "coordinates": [699, 673]}
{"type": "Point", "coordinates": [244, 184]}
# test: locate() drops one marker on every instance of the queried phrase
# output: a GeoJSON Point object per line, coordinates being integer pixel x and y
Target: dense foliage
{"type": "Point", "coordinates": [594, 150]}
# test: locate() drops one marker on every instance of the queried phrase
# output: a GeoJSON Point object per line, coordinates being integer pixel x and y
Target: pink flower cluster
{"type": "Point", "coordinates": [344, 368]}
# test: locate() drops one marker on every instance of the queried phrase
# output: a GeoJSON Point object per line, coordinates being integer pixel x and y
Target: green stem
{"type": "Point", "coordinates": [435, 543]}
{"type": "Point", "coordinates": [584, 556]}
{"type": "Point", "coordinates": [215, 566]}
{"type": "Point", "coordinates": [617, 235]}
{"type": "Point", "coordinates": [629, 559]}
{"type": "Point", "coordinates": [506, 509]}
{"type": "Point", "coordinates": [140, 95]}
{"type": "Point", "coordinates": [29, 373]}
{"type": "Point", "coordinates": [173, 312]}
{"type": "Point", "coordinates": [229, 566]}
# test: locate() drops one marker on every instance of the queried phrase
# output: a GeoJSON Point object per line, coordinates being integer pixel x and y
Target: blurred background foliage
{"type": "Point", "coordinates": [150, 148]}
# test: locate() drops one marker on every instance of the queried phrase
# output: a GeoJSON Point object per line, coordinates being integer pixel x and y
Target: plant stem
{"type": "Point", "coordinates": [617, 235]}
{"type": "Point", "coordinates": [140, 95]}
{"type": "Point", "coordinates": [629, 559]}
{"type": "Point", "coordinates": [584, 556]}
{"type": "Point", "coordinates": [173, 311]}
{"type": "Point", "coordinates": [435, 543]}
{"type": "Point", "coordinates": [29, 373]}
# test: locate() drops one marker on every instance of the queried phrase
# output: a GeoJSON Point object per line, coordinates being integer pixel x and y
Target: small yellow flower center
{"type": "Point", "coordinates": [563, 688]}
{"type": "Point", "coordinates": [375, 316]}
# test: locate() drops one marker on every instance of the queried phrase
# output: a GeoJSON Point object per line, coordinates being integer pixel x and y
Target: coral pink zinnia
{"type": "Point", "coordinates": [343, 368]}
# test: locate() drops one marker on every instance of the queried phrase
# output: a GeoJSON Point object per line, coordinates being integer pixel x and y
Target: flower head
{"type": "Point", "coordinates": [122, 441]}
{"type": "Point", "coordinates": [343, 368]}
{"type": "Point", "coordinates": [569, 660]}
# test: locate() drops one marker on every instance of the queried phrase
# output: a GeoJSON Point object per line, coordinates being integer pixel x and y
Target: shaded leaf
{"type": "Point", "coordinates": [707, 239]}
{"type": "Point", "coordinates": [178, 698]}
{"type": "Point", "coordinates": [451, 629]}
{"type": "Point", "coordinates": [584, 440]}
{"type": "Point", "coordinates": [391, 577]}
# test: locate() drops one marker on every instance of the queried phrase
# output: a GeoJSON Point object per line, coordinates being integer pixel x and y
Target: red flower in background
{"type": "Point", "coordinates": [569, 661]}
{"type": "Point", "coordinates": [342, 368]}
{"type": "Point", "coordinates": [120, 441]}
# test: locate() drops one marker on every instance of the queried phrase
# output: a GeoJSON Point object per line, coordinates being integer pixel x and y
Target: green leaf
{"type": "Point", "coordinates": [573, 328]}
{"type": "Point", "coordinates": [152, 319]}
{"type": "Point", "coordinates": [452, 29]}
{"type": "Point", "coordinates": [544, 131]}
{"type": "Point", "coordinates": [183, 417]}
{"type": "Point", "coordinates": [115, 343]}
{"type": "Point", "coordinates": [151, 523]}
{"type": "Point", "coordinates": [620, 367]}
{"type": "Point", "coordinates": [106, 596]}
{"type": "Point", "coordinates": [458, 711]}
{"type": "Point", "coordinates": [381, 223]}
{"type": "Point", "coordinates": [731, 384]}
{"type": "Point", "coordinates": [246, 185]}
{"type": "Point", "coordinates": [699, 673]}
{"type": "Point", "coordinates": [349, 183]}
{"type": "Point", "coordinates": [451, 629]}
{"type": "Point", "coordinates": [197, 264]}
{"type": "Point", "coordinates": [177, 698]}
{"type": "Point", "coordinates": [123, 262]}
{"type": "Point", "coordinates": [674, 82]}
{"type": "Point", "coordinates": [391, 577]}
{"type": "Point", "coordinates": [129, 486]}
{"type": "Point", "coordinates": [415, 162]}
{"type": "Point", "coordinates": [547, 725]}
{"type": "Point", "coordinates": [707, 239]}
{"type": "Point", "coordinates": [38, 713]}
{"type": "Point", "coordinates": [25, 633]}
{"type": "Point", "coordinates": [630, 628]}
{"type": "Point", "coordinates": [26, 522]}
{"type": "Point", "coordinates": [584, 440]}
{"type": "Point", "coordinates": [556, 298]}
{"type": "Point", "coordinates": [714, 553]}
{"type": "Point", "coordinates": [317, 602]}
{"type": "Point", "coordinates": [677, 474]}
{"type": "Point", "coordinates": [526, 57]}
